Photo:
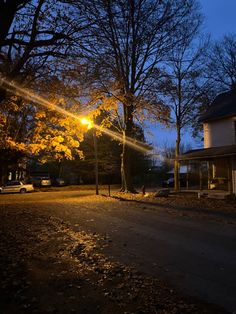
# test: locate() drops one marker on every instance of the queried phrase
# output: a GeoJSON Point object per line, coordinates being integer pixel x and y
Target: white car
{"type": "Point", "coordinates": [45, 182]}
{"type": "Point", "coordinates": [16, 187]}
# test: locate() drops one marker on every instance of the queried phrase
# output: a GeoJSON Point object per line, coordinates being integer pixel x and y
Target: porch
{"type": "Point", "coordinates": [211, 170]}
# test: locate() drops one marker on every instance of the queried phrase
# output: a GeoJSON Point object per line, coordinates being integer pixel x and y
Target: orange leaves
{"type": "Point", "coordinates": [56, 135]}
{"type": "Point", "coordinates": [57, 140]}
{"type": "Point", "coordinates": [35, 148]}
{"type": "Point", "coordinates": [46, 134]}
{"type": "Point", "coordinates": [2, 120]}
{"type": "Point", "coordinates": [40, 115]}
{"type": "Point", "coordinates": [10, 143]}
{"type": "Point", "coordinates": [109, 103]}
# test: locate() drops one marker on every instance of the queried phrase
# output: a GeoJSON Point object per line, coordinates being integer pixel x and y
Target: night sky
{"type": "Point", "coordinates": [219, 16]}
{"type": "Point", "coordinates": [219, 20]}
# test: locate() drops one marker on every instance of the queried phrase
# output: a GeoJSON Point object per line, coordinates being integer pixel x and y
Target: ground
{"type": "Point", "coordinates": [68, 251]}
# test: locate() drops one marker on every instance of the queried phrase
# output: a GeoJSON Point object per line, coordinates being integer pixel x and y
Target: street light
{"type": "Point", "coordinates": [90, 125]}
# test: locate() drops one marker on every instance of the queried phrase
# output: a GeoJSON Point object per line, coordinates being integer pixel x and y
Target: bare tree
{"type": "Point", "coordinates": [222, 63]}
{"type": "Point", "coordinates": [8, 11]}
{"type": "Point", "coordinates": [168, 154]}
{"type": "Point", "coordinates": [123, 45]}
{"type": "Point", "coordinates": [41, 33]}
{"type": "Point", "coordinates": [184, 86]}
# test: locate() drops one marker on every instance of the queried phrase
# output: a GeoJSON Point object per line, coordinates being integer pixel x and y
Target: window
{"type": "Point", "coordinates": [12, 183]}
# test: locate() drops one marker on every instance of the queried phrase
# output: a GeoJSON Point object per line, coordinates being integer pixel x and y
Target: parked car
{"type": "Point", "coordinates": [170, 183]}
{"type": "Point", "coordinates": [16, 187]}
{"type": "Point", "coordinates": [35, 181]}
{"type": "Point", "coordinates": [45, 182]}
{"type": "Point", "coordinates": [40, 181]}
{"type": "Point", "coordinates": [59, 182]}
{"type": "Point", "coordinates": [218, 184]}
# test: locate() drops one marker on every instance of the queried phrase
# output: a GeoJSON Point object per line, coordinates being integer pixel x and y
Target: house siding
{"type": "Point", "coordinates": [219, 133]}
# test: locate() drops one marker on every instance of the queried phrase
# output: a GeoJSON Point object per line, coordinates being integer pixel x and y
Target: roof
{"type": "Point", "coordinates": [209, 153]}
{"type": "Point", "coordinates": [224, 105]}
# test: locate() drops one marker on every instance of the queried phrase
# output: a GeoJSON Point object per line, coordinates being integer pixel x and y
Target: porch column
{"type": "Point", "coordinates": [229, 173]}
{"type": "Point", "coordinates": [208, 174]}
{"type": "Point", "coordinates": [187, 176]}
{"type": "Point", "coordinates": [233, 160]}
{"type": "Point", "coordinates": [200, 175]}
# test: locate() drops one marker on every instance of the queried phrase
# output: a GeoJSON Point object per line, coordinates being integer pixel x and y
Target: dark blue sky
{"type": "Point", "coordinates": [220, 19]}
{"type": "Point", "coordinates": [219, 16]}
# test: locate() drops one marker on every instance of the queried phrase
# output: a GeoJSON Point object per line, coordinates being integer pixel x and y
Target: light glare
{"type": "Point", "coordinates": [88, 122]}
{"type": "Point", "coordinates": [30, 96]}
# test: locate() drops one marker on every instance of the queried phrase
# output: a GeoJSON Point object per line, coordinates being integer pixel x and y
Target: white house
{"type": "Point", "coordinates": [219, 152]}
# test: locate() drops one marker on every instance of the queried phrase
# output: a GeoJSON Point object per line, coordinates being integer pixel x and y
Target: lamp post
{"type": "Point", "coordinates": [96, 159]}
{"type": "Point", "coordinates": [90, 125]}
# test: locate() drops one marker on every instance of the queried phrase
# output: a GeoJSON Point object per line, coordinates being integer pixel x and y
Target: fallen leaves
{"type": "Point", "coordinates": [48, 267]}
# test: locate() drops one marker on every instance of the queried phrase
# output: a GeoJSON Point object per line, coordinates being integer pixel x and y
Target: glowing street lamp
{"type": "Point", "coordinates": [89, 123]}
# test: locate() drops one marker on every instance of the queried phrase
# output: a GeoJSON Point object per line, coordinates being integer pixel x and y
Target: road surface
{"type": "Point", "coordinates": [194, 255]}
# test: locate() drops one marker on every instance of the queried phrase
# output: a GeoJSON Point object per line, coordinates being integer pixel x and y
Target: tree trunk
{"type": "Point", "coordinates": [176, 165]}
{"type": "Point", "coordinates": [8, 10]}
{"type": "Point", "coordinates": [3, 173]}
{"type": "Point", "coordinates": [126, 178]}
{"type": "Point", "coordinates": [7, 14]}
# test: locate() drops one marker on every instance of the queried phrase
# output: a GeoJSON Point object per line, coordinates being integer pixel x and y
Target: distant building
{"type": "Point", "coordinates": [219, 152]}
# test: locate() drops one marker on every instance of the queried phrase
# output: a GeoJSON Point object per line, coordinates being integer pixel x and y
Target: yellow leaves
{"type": "Point", "coordinates": [48, 128]}
{"type": "Point", "coordinates": [59, 148]}
{"type": "Point", "coordinates": [79, 153]}
{"type": "Point", "coordinates": [28, 148]}
{"type": "Point", "coordinates": [40, 115]}
{"type": "Point", "coordinates": [12, 105]}
{"type": "Point", "coordinates": [36, 148]}
{"type": "Point", "coordinates": [2, 120]}
{"type": "Point", "coordinates": [73, 143]}
{"type": "Point", "coordinates": [109, 103]}
{"type": "Point", "coordinates": [57, 140]}
{"type": "Point", "coordinates": [68, 153]}
{"type": "Point", "coordinates": [10, 143]}
{"type": "Point", "coordinates": [21, 146]}
{"type": "Point", "coordinates": [46, 134]}
{"type": "Point", "coordinates": [43, 159]}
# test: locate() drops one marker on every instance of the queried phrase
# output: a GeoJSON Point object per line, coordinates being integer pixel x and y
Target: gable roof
{"type": "Point", "coordinates": [223, 106]}
{"type": "Point", "coordinates": [209, 153]}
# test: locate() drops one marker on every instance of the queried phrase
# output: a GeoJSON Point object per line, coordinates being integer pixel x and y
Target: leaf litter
{"type": "Point", "coordinates": [48, 267]}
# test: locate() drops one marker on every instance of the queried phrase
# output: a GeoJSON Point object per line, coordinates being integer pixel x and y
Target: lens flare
{"type": "Point", "coordinates": [137, 145]}
{"type": "Point", "coordinates": [88, 122]}
{"type": "Point", "coordinates": [14, 88]}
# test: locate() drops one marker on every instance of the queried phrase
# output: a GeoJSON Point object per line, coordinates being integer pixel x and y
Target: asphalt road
{"type": "Point", "coordinates": [195, 256]}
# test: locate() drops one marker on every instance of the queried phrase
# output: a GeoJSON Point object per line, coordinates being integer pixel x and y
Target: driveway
{"type": "Point", "coordinates": [195, 255]}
